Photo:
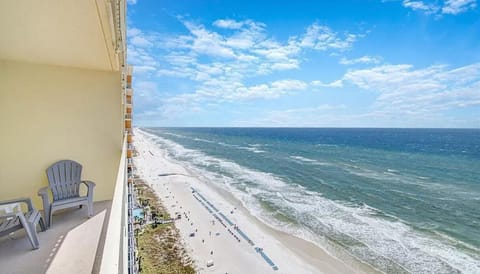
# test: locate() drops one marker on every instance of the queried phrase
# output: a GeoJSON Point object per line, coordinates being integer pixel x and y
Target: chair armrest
{"type": "Point", "coordinates": [8, 215]}
{"type": "Point", "coordinates": [19, 200]}
{"type": "Point", "coordinates": [90, 185]}
{"type": "Point", "coordinates": [43, 192]}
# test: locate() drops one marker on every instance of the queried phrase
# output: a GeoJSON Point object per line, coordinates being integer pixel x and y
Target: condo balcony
{"type": "Point", "coordinates": [103, 243]}
{"type": "Point", "coordinates": [70, 107]}
{"type": "Point", "coordinates": [128, 100]}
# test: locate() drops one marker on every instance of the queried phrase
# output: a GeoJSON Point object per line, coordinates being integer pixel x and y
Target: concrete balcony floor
{"type": "Point", "coordinates": [73, 244]}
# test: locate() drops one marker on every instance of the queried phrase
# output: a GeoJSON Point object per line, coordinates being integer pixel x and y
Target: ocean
{"type": "Point", "coordinates": [401, 200]}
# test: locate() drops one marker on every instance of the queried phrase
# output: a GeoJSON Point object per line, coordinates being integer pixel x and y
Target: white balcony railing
{"type": "Point", "coordinates": [118, 251]}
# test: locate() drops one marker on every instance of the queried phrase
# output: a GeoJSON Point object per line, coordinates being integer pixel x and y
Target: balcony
{"type": "Point", "coordinates": [128, 124]}
{"type": "Point", "coordinates": [103, 243]}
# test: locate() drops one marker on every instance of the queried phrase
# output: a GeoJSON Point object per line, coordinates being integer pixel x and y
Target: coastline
{"type": "Point", "coordinates": [173, 184]}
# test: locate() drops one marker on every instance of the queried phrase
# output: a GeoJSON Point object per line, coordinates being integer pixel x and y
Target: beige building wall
{"type": "Point", "coordinates": [49, 113]}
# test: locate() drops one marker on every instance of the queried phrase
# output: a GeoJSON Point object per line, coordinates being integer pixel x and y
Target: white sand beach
{"type": "Point", "coordinates": [221, 243]}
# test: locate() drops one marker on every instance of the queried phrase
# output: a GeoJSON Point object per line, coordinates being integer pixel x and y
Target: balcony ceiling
{"type": "Point", "coordinates": [74, 33]}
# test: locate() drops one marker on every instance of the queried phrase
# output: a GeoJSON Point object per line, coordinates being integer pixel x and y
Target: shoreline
{"type": "Point", "coordinates": [173, 182]}
{"type": "Point", "coordinates": [308, 251]}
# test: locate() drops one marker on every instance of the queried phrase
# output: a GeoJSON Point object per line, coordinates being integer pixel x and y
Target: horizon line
{"type": "Point", "coordinates": [477, 128]}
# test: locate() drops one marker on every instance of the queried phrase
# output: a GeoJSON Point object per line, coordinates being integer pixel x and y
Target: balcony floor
{"type": "Point", "coordinates": [69, 246]}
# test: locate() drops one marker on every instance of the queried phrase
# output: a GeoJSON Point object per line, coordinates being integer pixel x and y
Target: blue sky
{"type": "Point", "coordinates": [363, 63]}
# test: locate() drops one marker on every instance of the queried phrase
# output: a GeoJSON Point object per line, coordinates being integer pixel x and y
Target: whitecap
{"type": "Point", "coordinates": [386, 244]}
{"type": "Point", "coordinates": [308, 160]}
{"type": "Point", "coordinates": [203, 140]}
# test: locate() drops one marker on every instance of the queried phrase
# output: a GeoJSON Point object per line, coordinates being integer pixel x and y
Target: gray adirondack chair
{"type": "Point", "coordinates": [64, 179]}
{"type": "Point", "coordinates": [18, 220]}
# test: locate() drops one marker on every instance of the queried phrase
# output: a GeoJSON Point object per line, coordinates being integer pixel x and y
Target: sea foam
{"type": "Point", "coordinates": [391, 246]}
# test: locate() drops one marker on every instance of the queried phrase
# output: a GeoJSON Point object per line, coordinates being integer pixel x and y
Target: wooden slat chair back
{"type": "Point", "coordinates": [64, 179]}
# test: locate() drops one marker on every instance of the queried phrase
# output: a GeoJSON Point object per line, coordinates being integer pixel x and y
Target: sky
{"type": "Point", "coordinates": [362, 63]}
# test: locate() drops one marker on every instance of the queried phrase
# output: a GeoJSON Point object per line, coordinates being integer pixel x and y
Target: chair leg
{"type": "Point", "coordinates": [33, 236]}
{"type": "Point", "coordinates": [47, 208]}
{"type": "Point", "coordinates": [46, 216]}
{"type": "Point", "coordinates": [90, 209]}
{"type": "Point", "coordinates": [43, 227]}
{"type": "Point", "coordinates": [31, 231]}
{"type": "Point", "coordinates": [90, 203]}
{"type": "Point", "coordinates": [49, 221]}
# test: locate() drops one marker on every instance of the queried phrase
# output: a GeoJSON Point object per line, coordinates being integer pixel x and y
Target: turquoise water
{"type": "Point", "coordinates": [138, 212]}
{"type": "Point", "coordinates": [401, 200]}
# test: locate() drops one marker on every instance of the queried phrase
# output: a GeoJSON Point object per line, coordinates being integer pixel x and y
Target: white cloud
{"type": "Point", "coordinates": [453, 7]}
{"type": "Point", "coordinates": [458, 6]}
{"type": "Point", "coordinates": [131, 2]}
{"type": "Point", "coordinates": [321, 115]}
{"type": "Point", "coordinates": [143, 62]}
{"type": "Point", "coordinates": [143, 69]}
{"type": "Point", "coordinates": [210, 93]}
{"type": "Point", "coordinates": [404, 90]}
{"type": "Point", "coordinates": [323, 38]}
{"type": "Point", "coordinates": [334, 84]}
{"type": "Point", "coordinates": [249, 44]}
{"type": "Point", "coordinates": [208, 43]}
{"type": "Point", "coordinates": [406, 97]}
{"type": "Point", "coordinates": [146, 95]}
{"type": "Point", "coordinates": [421, 6]}
{"type": "Point", "coordinates": [240, 42]}
{"type": "Point", "coordinates": [139, 53]}
{"type": "Point", "coordinates": [287, 65]}
{"type": "Point", "coordinates": [245, 52]}
{"type": "Point", "coordinates": [131, 32]}
{"type": "Point", "coordinates": [138, 38]}
{"type": "Point", "coordinates": [228, 24]}
{"type": "Point", "coordinates": [320, 108]}
{"type": "Point", "coordinates": [220, 64]}
{"type": "Point", "coordinates": [275, 51]}
{"type": "Point", "coordinates": [257, 91]}
{"type": "Point", "coordinates": [361, 60]}
{"type": "Point", "coordinates": [237, 91]}
{"type": "Point", "coordinates": [140, 41]}
{"type": "Point", "coordinates": [289, 85]}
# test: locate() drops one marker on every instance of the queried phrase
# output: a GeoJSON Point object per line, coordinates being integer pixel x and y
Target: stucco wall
{"type": "Point", "coordinates": [50, 113]}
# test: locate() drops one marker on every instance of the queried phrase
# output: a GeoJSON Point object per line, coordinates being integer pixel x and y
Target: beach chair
{"type": "Point", "coordinates": [64, 179]}
{"type": "Point", "coordinates": [11, 222]}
